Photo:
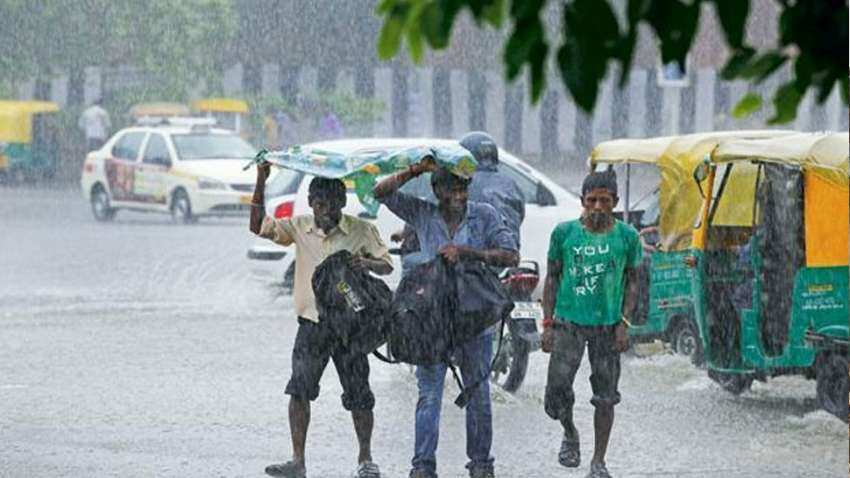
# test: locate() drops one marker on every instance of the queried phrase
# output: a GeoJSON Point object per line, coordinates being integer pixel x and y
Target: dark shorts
{"type": "Point", "coordinates": [314, 345]}
{"type": "Point", "coordinates": [567, 351]}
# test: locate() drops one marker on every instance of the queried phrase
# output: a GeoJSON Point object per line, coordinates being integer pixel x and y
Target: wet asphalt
{"type": "Point", "coordinates": [144, 348]}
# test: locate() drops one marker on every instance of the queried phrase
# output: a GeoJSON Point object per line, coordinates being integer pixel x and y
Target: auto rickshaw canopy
{"type": "Point", "coordinates": [16, 119]}
{"type": "Point", "coordinates": [159, 108]}
{"type": "Point", "coordinates": [825, 162]}
{"type": "Point", "coordinates": [224, 105]}
{"type": "Point", "coordinates": [629, 151]}
{"type": "Point", "coordinates": [679, 195]}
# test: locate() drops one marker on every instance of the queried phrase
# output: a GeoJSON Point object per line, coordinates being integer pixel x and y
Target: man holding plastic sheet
{"type": "Point", "coordinates": [456, 230]}
{"type": "Point", "coordinates": [316, 237]}
{"type": "Point", "coordinates": [588, 297]}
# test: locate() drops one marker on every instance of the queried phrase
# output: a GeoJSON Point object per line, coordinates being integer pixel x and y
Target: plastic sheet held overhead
{"type": "Point", "coordinates": [361, 169]}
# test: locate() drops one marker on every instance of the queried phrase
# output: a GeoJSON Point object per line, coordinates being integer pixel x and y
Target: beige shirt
{"type": "Point", "coordinates": [312, 246]}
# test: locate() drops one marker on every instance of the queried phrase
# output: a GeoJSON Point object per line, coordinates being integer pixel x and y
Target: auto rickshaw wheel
{"type": "Point", "coordinates": [686, 341]}
{"type": "Point", "coordinates": [832, 383]}
{"type": "Point", "coordinates": [733, 383]}
{"type": "Point", "coordinates": [100, 206]}
{"type": "Point", "coordinates": [181, 208]}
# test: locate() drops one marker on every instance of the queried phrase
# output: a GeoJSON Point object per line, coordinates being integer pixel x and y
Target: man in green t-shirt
{"type": "Point", "coordinates": [589, 294]}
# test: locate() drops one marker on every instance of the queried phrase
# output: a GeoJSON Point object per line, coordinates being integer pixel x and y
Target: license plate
{"type": "Point", "coordinates": [527, 310]}
{"type": "Point", "coordinates": [245, 199]}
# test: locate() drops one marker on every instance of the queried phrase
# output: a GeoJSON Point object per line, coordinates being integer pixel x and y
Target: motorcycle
{"type": "Point", "coordinates": [522, 336]}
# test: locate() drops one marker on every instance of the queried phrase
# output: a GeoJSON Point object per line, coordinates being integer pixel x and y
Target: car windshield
{"type": "Point", "coordinates": [212, 146]}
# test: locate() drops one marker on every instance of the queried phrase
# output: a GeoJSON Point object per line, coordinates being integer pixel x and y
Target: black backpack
{"type": "Point", "coordinates": [428, 321]}
{"type": "Point", "coordinates": [353, 304]}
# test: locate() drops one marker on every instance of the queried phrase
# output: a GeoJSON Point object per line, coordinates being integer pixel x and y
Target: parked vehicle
{"type": "Point", "coordinates": [229, 113]}
{"type": "Point", "coordinates": [180, 166]}
{"type": "Point", "coordinates": [522, 336]}
{"type": "Point", "coordinates": [158, 109]}
{"type": "Point", "coordinates": [29, 147]}
{"type": "Point", "coordinates": [664, 216]}
{"type": "Point", "coordinates": [546, 203]}
{"type": "Point", "coordinates": [770, 289]}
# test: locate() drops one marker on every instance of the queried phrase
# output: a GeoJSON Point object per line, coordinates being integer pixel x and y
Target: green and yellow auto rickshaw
{"type": "Point", "coordinates": [29, 147]}
{"type": "Point", "coordinates": [664, 215]}
{"type": "Point", "coordinates": [770, 289]}
{"type": "Point", "coordinates": [229, 113]}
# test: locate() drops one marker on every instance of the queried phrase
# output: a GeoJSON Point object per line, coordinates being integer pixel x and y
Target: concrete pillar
{"type": "Point", "coordinates": [804, 113]}
{"type": "Point", "coordinates": [271, 79]}
{"type": "Point", "coordinates": [92, 88]}
{"type": "Point", "coordinates": [420, 103]}
{"type": "Point", "coordinates": [494, 108]}
{"type": "Point", "coordinates": [59, 90]}
{"type": "Point", "coordinates": [308, 81]}
{"type": "Point", "coordinates": [602, 111]}
{"type": "Point", "coordinates": [345, 81]}
{"type": "Point", "coordinates": [704, 97]}
{"type": "Point", "coordinates": [530, 124]}
{"type": "Point", "coordinates": [671, 98]}
{"type": "Point", "coordinates": [460, 102]}
{"type": "Point", "coordinates": [231, 83]}
{"type": "Point", "coordinates": [26, 89]}
{"type": "Point", "coordinates": [384, 93]}
{"type": "Point", "coordinates": [566, 121]}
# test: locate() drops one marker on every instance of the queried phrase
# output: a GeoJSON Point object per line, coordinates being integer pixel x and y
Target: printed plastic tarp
{"type": "Point", "coordinates": [360, 170]}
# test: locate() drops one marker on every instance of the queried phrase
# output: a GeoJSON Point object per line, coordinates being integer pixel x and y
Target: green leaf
{"type": "Point", "coordinates": [432, 26]}
{"type": "Point", "coordinates": [763, 66]}
{"type": "Point", "coordinates": [581, 82]}
{"type": "Point", "coordinates": [737, 63]}
{"type": "Point", "coordinates": [749, 104]}
{"type": "Point", "coordinates": [675, 24]}
{"type": "Point", "coordinates": [733, 18]}
{"type": "Point", "coordinates": [389, 39]}
{"type": "Point", "coordinates": [525, 38]}
{"type": "Point", "coordinates": [824, 87]}
{"type": "Point", "coordinates": [786, 100]}
{"type": "Point", "coordinates": [538, 78]}
{"type": "Point", "coordinates": [414, 41]}
{"type": "Point", "coordinates": [844, 88]}
{"type": "Point", "coordinates": [494, 13]}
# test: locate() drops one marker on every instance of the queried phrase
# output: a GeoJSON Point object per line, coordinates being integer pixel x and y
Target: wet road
{"type": "Point", "coordinates": [142, 348]}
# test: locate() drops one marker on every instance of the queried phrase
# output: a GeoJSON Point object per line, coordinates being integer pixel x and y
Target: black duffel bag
{"type": "Point", "coordinates": [355, 305]}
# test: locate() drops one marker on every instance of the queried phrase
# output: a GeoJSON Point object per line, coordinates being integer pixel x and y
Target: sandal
{"type": "Point", "coordinates": [569, 456]}
{"type": "Point", "coordinates": [286, 470]}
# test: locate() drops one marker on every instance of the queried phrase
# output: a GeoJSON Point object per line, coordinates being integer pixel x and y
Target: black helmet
{"type": "Point", "coordinates": [482, 146]}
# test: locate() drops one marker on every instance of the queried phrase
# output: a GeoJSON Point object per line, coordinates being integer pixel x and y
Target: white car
{"type": "Point", "coordinates": [181, 166]}
{"type": "Point", "coordinates": [546, 203]}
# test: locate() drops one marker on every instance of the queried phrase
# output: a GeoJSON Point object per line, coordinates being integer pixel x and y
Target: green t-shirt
{"type": "Point", "coordinates": [592, 278]}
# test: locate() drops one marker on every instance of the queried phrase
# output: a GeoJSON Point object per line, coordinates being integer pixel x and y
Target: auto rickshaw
{"type": "Point", "coordinates": [664, 216]}
{"type": "Point", "coordinates": [29, 145]}
{"type": "Point", "coordinates": [771, 290]}
{"type": "Point", "coordinates": [229, 113]}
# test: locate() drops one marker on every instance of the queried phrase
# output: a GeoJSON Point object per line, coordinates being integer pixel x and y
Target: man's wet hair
{"type": "Point", "coordinates": [442, 177]}
{"type": "Point", "coordinates": [600, 180]}
{"type": "Point", "coordinates": [327, 188]}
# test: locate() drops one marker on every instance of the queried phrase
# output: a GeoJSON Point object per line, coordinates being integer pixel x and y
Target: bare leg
{"type": "Point", "coordinates": [299, 421]}
{"type": "Point", "coordinates": [570, 431]}
{"type": "Point", "coordinates": [364, 421]}
{"type": "Point", "coordinates": [603, 420]}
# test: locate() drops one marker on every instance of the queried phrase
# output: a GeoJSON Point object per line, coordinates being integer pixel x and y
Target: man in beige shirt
{"type": "Point", "coordinates": [316, 237]}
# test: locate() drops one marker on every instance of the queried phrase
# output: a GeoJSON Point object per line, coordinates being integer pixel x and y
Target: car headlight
{"type": "Point", "coordinates": [206, 183]}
